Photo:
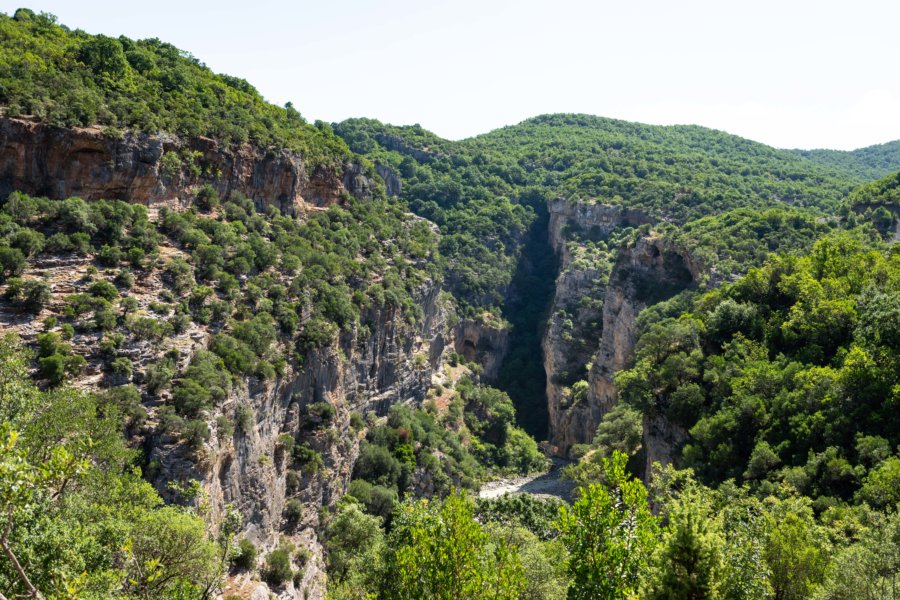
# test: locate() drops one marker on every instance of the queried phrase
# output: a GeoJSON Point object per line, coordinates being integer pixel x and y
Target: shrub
{"type": "Point", "coordinates": [356, 421]}
{"type": "Point", "coordinates": [103, 289]}
{"type": "Point", "coordinates": [292, 481]}
{"type": "Point", "coordinates": [308, 459]}
{"type": "Point", "coordinates": [320, 413]}
{"type": "Point", "coordinates": [244, 418]}
{"type": "Point", "coordinates": [224, 427]}
{"type": "Point", "coordinates": [195, 433]}
{"type": "Point", "coordinates": [12, 262]}
{"type": "Point", "coordinates": [109, 256]}
{"type": "Point", "coordinates": [124, 279]}
{"type": "Point", "coordinates": [121, 366]}
{"type": "Point", "coordinates": [278, 566]}
{"type": "Point", "coordinates": [207, 198]}
{"type": "Point", "coordinates": [31, 294]}
{"type": "Point", "coordinates": [294, 510]}
{"type": "Point", "coordinates": [285, 442]}
{"type": "Point", "coordinates": [245, 558]}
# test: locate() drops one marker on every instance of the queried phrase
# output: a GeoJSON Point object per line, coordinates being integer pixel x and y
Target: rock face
{"type": "Point", "coordinates": [41, 159]}
{"type": "Point", "coordinates": [483, 343]}
{"type": "Point", "coordinates": [594, 309]}
{"type": "Point", "coordinates": [391, 179]}
{"type": "Point", "coordinates": [250, 470]}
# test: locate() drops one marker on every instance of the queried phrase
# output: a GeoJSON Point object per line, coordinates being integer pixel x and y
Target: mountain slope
{"type": "Point", "coordinates": [871, 162]}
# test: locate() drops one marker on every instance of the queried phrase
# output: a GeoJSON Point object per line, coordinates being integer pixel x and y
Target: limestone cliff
{"type": "Point", "coordinates": [250, 471]}
{"type": "Point", "coordinates": [41, 159]}
{"type": "Point", "coordinates": [598, 297]}
{"type": "Point", "coordinates": [482, 341]}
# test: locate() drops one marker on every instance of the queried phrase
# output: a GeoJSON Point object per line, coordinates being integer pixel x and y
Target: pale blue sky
{"type": "Point", "coordinates": [787, 73]}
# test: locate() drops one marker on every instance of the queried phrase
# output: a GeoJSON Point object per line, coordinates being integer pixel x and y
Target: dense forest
{"type": "Point", "coordinates": [148, 327]}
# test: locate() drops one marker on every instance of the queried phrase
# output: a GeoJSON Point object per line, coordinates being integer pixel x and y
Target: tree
{"type": "Point", "coordinates": [169, 550]}
{"type": "Point", "coordinates": [354, 543]}
{"type": "Point", "coordinates": [868, 569]}
{"type": "Point", "coordinates": [12, 262]}
{"type": "Point", "coordinates": [688, 564]}
{"type": "Point", "coordinates": [610, 534]}
{"type": "Point", "coordinates": [795, 550]}
{"type": "Point", "coordinates": [439, 551]}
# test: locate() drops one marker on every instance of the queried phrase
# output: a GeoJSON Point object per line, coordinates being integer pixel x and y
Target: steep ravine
{"type": "Point", "coordinates": [591, 332]}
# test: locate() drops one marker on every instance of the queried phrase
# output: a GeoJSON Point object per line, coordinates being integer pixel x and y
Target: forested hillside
{"type": "Point", "coordinates": [71, 78]}
{"type": "Point", "coordinates": [871, 162]}
{"type": "Point", "coordinates": [254, 357]}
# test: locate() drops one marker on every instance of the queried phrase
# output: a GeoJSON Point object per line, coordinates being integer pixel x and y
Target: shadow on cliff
{"type": "Point", "coordinates": [522, 373]}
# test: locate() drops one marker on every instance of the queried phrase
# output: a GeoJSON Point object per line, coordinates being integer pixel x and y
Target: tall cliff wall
{"type": "Point", "coordinates": [41, 159]}
{"type": "Point", "coordinates": [598, 297]}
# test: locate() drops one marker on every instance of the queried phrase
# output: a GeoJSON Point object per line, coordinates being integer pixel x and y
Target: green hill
{"type": "Point", "coordinates": [871, 162]}
{"type": "Point", "coordinates": [71, 78]}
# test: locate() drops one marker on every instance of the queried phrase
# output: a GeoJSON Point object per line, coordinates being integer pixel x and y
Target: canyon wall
{"type": "Point", "coordinates": [57, 162]}
{"type": "Point", "coordinates": [591, 330]}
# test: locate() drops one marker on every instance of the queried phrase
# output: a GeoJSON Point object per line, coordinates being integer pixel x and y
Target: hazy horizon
{"type": "Point", "coordinates": [801, 76]}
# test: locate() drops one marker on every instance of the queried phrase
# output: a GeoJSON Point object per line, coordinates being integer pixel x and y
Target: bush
{"type": "Point", "coordinates": [377, 465]}
{"type": "Point", "coordinates": [124, 279]}
{"type": "Point", "coordinates": [320, 413]}
{"type": "Point", "coordinates": [356, 421]}
{"type": "Point", "coordinates": [308, 459]}
{"type": "Point", "coordinates": [294, 510]}
{"type": "Point", "coordinates": [207, 198]}
{"type": "Point", "coordinates": [31, 294]}
{"type": "Point", "coordinates": [292, 481]}
{"type": "Point", "coordinates": [121, 366]}
{"type": "Point", "coordinates": [103, 289]}
{"type": "Point", "coordinates": [285, 443]}
{"type": "Point", "coordinates": [278, 566]}
{"type": "Point", "coordinates": [109, 256]}
{"type": "Point", "coordinates": [195, 433]}
{"type": "Point", "coordinates": [244, 418]}
{"type": "Point", "coordinates": [12, 262]}
{"type": "Point", "coordinates": [245, 558]}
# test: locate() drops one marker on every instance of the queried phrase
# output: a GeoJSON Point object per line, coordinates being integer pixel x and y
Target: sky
{"type": "Point", "coordinates": [791, 73]}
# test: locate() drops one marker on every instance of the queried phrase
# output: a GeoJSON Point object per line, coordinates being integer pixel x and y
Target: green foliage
{"type": "Point", "coordinates": [70, 78]}
{"type": "Point", "coordinates": [30, 294]}
{"type": "Point", "coordinates": [610, 534]}
{"type": "Point", "coordinates": [278, 565]}
{"type": "Point", "coordinates": [537, 515]}
{"type": "Point", "coordinates": [438, 550]}
{"type": "Point", "coordinates": [354, 543]}
{"type": "Point", "coordinates": [78, 518]}
{"type": "Point", "coordinates": [776, 375]}
{"type": "Point", "coordinates": [869, 568]}
{"type": "Point", "coordinates": [489, 415]}
{"type": "Point", "coordinates": [245, 558]}
{"type": "Point", "coordinates": [689, 560]}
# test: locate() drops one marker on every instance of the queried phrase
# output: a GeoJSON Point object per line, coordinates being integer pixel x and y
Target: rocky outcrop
{"type": "Point", "coordinates": [575, 323]}
{"type": "Point", "coordinates": [642, 274]}
{"type": "Point", "coordinates": [482, 342]}
{"type": "Point", "coordinates": [588, 220]}
{"type": "Point", "coordinates": [41, 159]}
{"type": "Point", "coordinates": [392, 182]}
{"type": "Point", "coordinates": [249, 470]}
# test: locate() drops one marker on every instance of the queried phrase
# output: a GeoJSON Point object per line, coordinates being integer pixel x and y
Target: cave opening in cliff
{"type": "Point", "coordinates": [522, 374]}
